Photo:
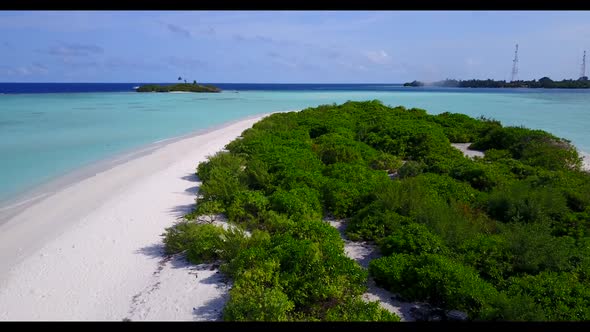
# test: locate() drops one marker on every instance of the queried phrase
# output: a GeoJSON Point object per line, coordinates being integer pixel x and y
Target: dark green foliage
{"type": "Point", "coordinates": [332, 148]}
{"type": "Point", "coordinates": [480, 176]}
{"type": "Point", "coordinates": [411, 168]}
{"type": "Point", "coordinates": [222, 176]}
{"type": "Point", "coordinates": [257, 303]}
{"type": "Point", "coordinates": [561, 295]}
{"type": "Point", "coordinates": [200, 241]}
{"type": "Point", "coordinates": [312, 272]}
{"type": "Point", "coordinates": [534, 249]}
{"type": "Point", "coordinates": [220, 160]}
{"type": "Point", "coordinates": [490, 255]}
{"type": "Point", "coordinates": [521, 203]}
{"type": "Point", "coordinates": [357, 310]}
{"type": "Point", "coordinates": [452, 190]}
{"type": "Point", "coordinates": [258, 176]}
{"type": "Point", "coordinates": [412, 239]}
{"type": "Point", "coordinates": [221, 186]}
{"type": "Point", "coordinates": [385, 161]}
{"type": "Point", "coordinates": [374, 222]}
{"type": "Point", "coordinates": [246, 206]}
{"type": "Point", "coordinates": [298, 203]}
{"type": "Point", "coordinates": [348, 187]}
{"type": "Point", "coordinates": [532, 147]}
{"type": "Point", "coordinates": [409, 138]}
{"type": "Point", "coordinates": [460, 128]}
{"type": "Point", "coordinates": [442, 281]}
{"type": "Point", "coordinates": [517, 308]}
{"type": "Point", "coordinates": [394, 272]}
{"type": "Point", "coordinates": [186, 87]}
{"type": "Point", "coordinates": [504, 237]}
{"type": "Point", "coordinates": [433, 278]}
{"type": "Point", "coordinates": [544, 82]}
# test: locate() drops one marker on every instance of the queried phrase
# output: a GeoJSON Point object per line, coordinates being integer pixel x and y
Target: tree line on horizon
{"type": "Point", "coordinates": [544, 82]}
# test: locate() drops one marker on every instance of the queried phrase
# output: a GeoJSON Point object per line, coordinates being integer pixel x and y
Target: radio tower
{"type": "Point", "coordinates": [515, 65]}
{"type": "Point", "coordinates": [583, 70]}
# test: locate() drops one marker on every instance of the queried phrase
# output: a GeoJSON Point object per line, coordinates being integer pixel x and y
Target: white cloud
{"type": "Point", "coordinates": [67, 50]}
{"type": "Point", "coordinates": [32, 69]}
{"type": "Point", "coordinates": [378, 57]}
{"type": "Point", "coordinates": [472, 62]}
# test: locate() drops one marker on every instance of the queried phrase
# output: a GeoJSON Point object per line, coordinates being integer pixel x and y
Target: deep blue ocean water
{"type": "Point", "coordinates": [49, 129]}
{"type": "Point", "coordinates": [14, 88]}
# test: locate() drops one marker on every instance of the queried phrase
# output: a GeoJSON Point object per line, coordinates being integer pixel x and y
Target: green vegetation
{"type": "Point", "coordinates": [186, 87]}
{"type": "Point", "coordinates": [545, 83]}
{"type": "Point", "coordinates": [504, 237]}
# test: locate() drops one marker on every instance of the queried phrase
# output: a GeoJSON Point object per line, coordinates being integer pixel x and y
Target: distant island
{"type": "Point", "coordinates": [179, 87]}
{"type": "Point", "coordinates": [545, 82]}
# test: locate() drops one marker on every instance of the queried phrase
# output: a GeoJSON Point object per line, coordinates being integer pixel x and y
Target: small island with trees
{"type": "Point", "coordinates": [179, 87]}
{"type": "Point", "coordinates": [545, 83]}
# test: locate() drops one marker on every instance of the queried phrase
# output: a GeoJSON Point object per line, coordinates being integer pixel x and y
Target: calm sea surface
{"type": "Point", "coordinates": [47, 130]}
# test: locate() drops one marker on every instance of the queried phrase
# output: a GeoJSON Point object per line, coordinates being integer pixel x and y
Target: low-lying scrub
{"type": "Point", "coordinates": [504, 237]}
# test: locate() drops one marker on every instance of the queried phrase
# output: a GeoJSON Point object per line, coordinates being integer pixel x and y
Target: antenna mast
{"type": "Point", "coordinates": [583, 70]}
{"type": "Point", "coordinates": [515, 65]}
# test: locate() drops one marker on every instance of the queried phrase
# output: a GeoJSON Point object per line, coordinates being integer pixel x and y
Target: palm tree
{"type": "Point", "coordinates": [179, 78]}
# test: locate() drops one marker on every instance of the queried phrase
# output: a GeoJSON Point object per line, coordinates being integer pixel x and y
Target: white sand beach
{"type": "Point", "coordinates": [585, 161]}
{"type": "Point", "coordinates": [93, 250]}
{"type": "Point", "coordinates": [464, 147]}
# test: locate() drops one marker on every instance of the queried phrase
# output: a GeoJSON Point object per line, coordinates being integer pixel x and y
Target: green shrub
{"type": "Point", "coordinates": [221, 186]}
{"type": "Point", "coordinates": [534, 249]}
{"type": "Point", "coordinates": [385, 161]}
{"type": "Point", "coordinates": [246, 206]}
{"type": "Point", "coordinates": [349, 186]}
{"type": "Point", "coordinates": [312, 272]}
{"type": "Point", "coordinates": [232, 241]}
{"type": "Point", "coordinates": [333, 148]}
{"type": "Point", "coordinates": [444, 282]}
{"type": "Point", "coordinates": [454, 228]}
{"type": "Point", "coordinates": [257, 303]}
{"type": "Point", "coordinates": [258, 176]}
{"type": "Point", "coordinates": [561, 295]}
{"type": "Point", "coordinates": [488, 254]}
{"type": "Point", "coordinates": [412, 239]}
{"type": "Point", "coordinates": [533, 147]}
{"type": "Point", "coordinates": [201, 241]}
{"type": "Point", "coordinates": [411, 168]}
{"type": "Point", "coordinates": [459, 128]}
{"type": "Point", "coordinates": [206, 208]}
{"type": "Point", "coordinates": [393, 272]}
{"type": "Point", "coordinates": [522, 203]}
{"type": "Point", "coordinates": [433, 278]}
{"type": "Point", "coordinates": [517, 308]}
{"type": "Point", "coordinates": [297, 203]}
{"type": "Point", "coordinates": [357, 310]}
{"type": "Point", "coordinates": [373, 222]}
{"type": "Point", "coordinates": [221, 159]}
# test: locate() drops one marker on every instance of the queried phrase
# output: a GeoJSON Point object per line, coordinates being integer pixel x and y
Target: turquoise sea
{"type": "Point", "coordinates": [45, 135]}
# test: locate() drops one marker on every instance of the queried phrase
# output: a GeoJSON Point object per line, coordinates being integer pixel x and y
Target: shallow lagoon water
{"type": "Point", "coordinates": [45, 135]}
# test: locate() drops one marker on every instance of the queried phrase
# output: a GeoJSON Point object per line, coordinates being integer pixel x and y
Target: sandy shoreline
{"type": "Point", "coordinates": [9, 208]}
{"type": "Point", "coordinates": [92, 250]}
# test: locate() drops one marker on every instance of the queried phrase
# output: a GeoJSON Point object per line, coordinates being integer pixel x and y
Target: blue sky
{"type": "Point", "coordinates": [289, 46]}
